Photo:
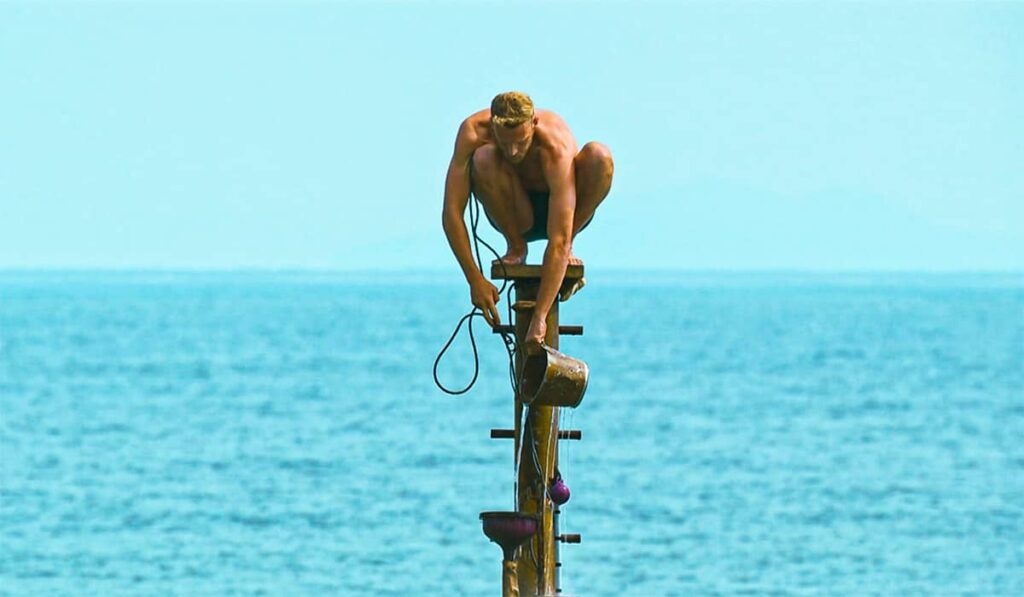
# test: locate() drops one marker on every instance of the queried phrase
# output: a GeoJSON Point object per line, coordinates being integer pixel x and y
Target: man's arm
{"type": "Point", "coordinates": [456, 196]}
{"type": "Point", "coordinates": [561, 176]}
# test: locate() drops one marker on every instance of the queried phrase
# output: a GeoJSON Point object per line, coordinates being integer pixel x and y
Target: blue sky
{"type": "Point", "coordinates": [838, 136]}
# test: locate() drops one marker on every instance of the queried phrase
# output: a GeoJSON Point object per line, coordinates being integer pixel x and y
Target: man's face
{"type": "Point", "coordinates": [514, 142]}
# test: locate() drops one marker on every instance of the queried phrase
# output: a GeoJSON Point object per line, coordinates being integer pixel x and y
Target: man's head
{"type": "Point", "coordinates": [513, 121]}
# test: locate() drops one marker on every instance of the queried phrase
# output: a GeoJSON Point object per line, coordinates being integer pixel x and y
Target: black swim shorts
{"type": "Point", "coordinates": [539, 230]}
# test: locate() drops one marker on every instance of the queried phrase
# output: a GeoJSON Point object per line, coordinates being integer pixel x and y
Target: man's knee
{"type": "Point", "coordinates": [595, 157]}
{"type": "Point", "coordinates": [486, 166]}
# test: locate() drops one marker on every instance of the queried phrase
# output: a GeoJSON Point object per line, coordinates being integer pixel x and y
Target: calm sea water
{"type": "Point", "coordinates": [280, 434]}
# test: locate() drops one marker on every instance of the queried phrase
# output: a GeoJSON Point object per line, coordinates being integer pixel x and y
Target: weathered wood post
{"type": "Point", "coordinates": [536, 446]}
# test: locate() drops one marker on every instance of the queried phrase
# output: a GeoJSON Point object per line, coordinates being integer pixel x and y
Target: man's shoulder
{"type": "Point", "coordinates": [551, 117]}
{"type": "Point", "coordinates": [554, 134]}
{"type": "Point", "coordinates": [478, 119]}
{"type": "Point", "coordinates": [553, 125]}
{"type": "Point", "coordinates": [476, 126]}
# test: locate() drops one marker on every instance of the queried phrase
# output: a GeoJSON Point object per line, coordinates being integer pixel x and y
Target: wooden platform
{"type": "Point", "coordinates": [529, 272]}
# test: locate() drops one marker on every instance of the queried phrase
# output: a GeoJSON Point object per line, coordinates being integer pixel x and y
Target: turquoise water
{"type": "Point", "coordinates": [280, 434]}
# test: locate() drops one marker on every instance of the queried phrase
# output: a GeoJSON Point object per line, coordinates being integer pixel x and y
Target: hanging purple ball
{"type": "Point", "coordinates": [559, 491]}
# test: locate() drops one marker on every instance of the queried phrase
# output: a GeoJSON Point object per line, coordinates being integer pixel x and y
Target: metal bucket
{"type": "Point", "coordinates": [551, 378]}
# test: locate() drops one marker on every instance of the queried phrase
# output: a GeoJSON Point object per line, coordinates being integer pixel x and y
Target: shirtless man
{"type": "Point", "coordinates": [525, 169]}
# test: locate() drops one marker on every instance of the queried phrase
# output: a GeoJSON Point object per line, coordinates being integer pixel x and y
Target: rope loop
{"type": "Point", "coordinates": [511, 346]}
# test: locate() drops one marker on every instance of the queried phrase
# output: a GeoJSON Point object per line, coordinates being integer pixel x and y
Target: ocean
{"type": "Point", "coordinates": [279, 433]}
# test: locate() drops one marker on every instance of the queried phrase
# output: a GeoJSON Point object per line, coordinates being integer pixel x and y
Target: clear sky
{"type": "Point", "coordinates": [821, 136]}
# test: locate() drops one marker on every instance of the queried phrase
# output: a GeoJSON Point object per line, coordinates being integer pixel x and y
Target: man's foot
{"type": "Point", "coordinates": [573, 259]}
{"type": "Point", "coordinates": [515, 254]}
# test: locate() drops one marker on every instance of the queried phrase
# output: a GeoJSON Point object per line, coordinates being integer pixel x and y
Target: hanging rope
{"type": "Point", "coordinates": [510, 340]}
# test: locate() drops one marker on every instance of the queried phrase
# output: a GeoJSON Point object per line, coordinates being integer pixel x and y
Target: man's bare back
{"type": "Point", "coordinates": [523, 165]}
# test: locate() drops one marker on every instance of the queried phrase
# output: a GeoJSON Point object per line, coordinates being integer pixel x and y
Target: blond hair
{"type": "Point", "coordinates": [511, 109]}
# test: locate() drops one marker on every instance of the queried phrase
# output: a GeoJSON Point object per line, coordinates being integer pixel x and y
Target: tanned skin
{"type": "Point", "coordinates": [500, 165]}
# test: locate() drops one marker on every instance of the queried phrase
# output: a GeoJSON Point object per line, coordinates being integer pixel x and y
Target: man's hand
{"type": "Point", "coordinates": [534, 339]}
{"type": "Point", "coordinates": [484, 296]}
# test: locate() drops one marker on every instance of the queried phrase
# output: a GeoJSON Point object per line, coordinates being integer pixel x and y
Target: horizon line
{"type": "Point", "coordinates": [450, 270]}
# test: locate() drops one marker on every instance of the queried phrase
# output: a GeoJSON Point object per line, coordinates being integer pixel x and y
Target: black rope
{"type": "Point", "coordinates": [511, 346]}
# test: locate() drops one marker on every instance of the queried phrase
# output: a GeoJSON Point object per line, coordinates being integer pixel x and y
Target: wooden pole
{"type": "Point", "coordinates": [536, 445]}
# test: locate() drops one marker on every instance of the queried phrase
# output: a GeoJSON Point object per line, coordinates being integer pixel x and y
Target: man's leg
{"type": "Point", "coordinates": [497, 186]}
{"type": "Point", "coordinates": [594, 169]}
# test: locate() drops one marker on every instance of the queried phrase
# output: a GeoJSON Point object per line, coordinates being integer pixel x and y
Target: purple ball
{"type": "Point", "coordinates": [559, 492]}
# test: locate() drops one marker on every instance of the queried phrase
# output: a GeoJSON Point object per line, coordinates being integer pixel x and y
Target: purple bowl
{"type": "Point", "coordinates": [508, 529]}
